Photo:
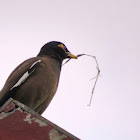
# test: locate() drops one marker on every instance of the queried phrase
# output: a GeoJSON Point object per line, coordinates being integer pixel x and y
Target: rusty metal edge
{"type": "Point", "coordinates": [5, 104]}
{"type": "Point", "coordinates": [24, 107]}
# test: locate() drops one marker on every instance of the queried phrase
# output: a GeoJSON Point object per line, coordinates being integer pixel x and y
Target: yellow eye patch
{"type": "Point", "coordinates": [62, 46]}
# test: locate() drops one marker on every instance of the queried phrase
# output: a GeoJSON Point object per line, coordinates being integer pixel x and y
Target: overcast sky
{"type": "Point", "coordinates": [107, 29]}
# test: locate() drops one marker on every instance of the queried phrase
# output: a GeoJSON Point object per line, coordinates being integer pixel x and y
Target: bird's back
{"type": "Point", "coordinates": [39, 88]}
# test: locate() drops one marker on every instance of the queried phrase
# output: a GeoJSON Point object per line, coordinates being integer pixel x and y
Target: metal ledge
{"type": "Point", "coordinates": [18, 121]}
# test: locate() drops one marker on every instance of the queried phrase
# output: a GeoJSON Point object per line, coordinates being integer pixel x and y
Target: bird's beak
{"type": "Point", "coordinates": [70, 55]}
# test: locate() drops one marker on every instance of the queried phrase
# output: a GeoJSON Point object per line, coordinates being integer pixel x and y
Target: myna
{"type": "Point", "coordinates": [34, 82]}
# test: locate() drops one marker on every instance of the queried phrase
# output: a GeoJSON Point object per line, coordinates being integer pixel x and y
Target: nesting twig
{"type": "Point", "coordinates": [96, 77]}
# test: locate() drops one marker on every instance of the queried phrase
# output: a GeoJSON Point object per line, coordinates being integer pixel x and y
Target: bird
{"type": "Point", "coordinates": [35, 81]}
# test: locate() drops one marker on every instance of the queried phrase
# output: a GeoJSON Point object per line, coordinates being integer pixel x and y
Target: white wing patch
{"type": "Point", "coordinates": [26, 74]}
{"type": "Point", "coordinates": [35, 63]}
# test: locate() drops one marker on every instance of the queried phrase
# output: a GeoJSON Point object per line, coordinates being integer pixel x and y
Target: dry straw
{"type": "Point", "coordinates": [96, 77]}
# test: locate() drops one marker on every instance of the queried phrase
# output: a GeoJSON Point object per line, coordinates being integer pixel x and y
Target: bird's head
{"type": "Point", "coordinates": [56, 50]}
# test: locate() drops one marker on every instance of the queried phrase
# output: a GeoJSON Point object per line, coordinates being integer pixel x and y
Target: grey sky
{"type": "Point", "coordinates": [110, 30]}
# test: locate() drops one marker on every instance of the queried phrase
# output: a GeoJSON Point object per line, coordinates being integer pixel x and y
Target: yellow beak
{"type": "Point", "coordinates": [71, 55]}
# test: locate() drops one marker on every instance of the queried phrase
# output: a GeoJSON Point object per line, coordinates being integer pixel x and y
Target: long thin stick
{"type": "Point", "coordinates": [94, 86]}
{"type": "Point", "coordinates": [98, 73]}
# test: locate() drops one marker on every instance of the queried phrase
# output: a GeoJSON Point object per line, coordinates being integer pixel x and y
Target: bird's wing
{"type": "Point", "coordinates": [17, 77]}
